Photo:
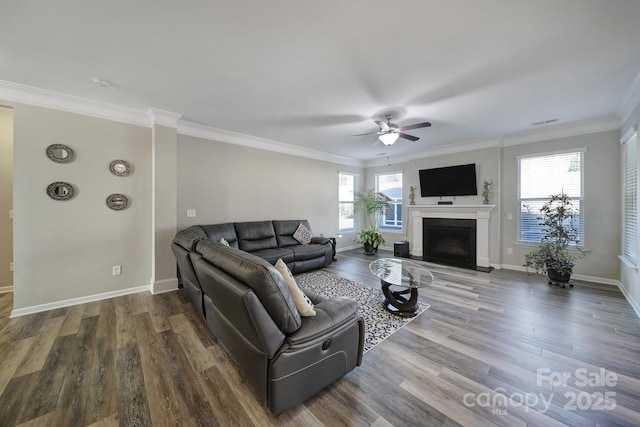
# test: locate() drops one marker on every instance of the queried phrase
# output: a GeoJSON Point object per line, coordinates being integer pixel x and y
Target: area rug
{"type": "Point", "coordinates": [379, 323]}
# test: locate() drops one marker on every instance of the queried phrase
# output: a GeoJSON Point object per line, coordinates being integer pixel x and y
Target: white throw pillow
{"type": "Point", "coordinates": [302, 302]}
{"type": "Point", "coordinates": [302, 234]}
{"type": "Point", "coordinates": [224, 241]}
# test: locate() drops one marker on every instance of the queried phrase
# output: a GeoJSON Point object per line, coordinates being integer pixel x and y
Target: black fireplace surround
{"type": "Point", "coordinates": [449, 241]}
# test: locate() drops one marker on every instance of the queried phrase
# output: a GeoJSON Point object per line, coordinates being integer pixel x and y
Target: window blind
{"type": "Point", "coordinates": [630, 199]}
{"type": "Point", "coordinates": [540, 176]}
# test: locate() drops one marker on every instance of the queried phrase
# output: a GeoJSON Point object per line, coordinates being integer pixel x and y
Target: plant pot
{"type": "Point", "coordinates": [555, 277]}
{"type": "Point", "coordinates": [370, 249]}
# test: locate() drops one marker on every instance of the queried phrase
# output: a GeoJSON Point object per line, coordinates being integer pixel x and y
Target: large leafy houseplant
{"type": "Point", "coordinates": [372, 204]}
{"type": "Point", "coordinates": [560, 245]}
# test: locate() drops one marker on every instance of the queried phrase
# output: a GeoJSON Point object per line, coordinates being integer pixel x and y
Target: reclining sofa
{"type": "Point", "coordinates": [248, 307]}
{"type": "Point", "coordinates": [269, 240]}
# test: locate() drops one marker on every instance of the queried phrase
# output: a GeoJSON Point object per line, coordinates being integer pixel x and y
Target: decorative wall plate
{"type": "Point", "coordinates": [117, 202]}
{"type": "Point", "coordinates": [60, 153]}
{"type": "Point", "coordinates": [120, 168]}
{"type": "Point", "coordinates": [60, 191]}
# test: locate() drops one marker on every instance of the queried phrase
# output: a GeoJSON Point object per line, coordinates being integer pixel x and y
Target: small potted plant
{"type": "Point", "coordinates": [373, 204]}
{"type": "Point", "coordinates": [371, 239]}
{"type": "Point", "coordinates": [559, 246]}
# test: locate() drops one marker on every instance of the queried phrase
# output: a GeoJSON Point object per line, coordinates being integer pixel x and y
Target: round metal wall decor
{"type": "Point", "coordinates": [60, 153]}
{"type": "Point", "coordinates": [60, 191]}
{"type": "Point", "coordinates": [120, 168]}
{"type": "Point", "coordinates": [117, 202]}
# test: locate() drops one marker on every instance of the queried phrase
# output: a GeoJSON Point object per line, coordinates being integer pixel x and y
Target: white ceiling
{"type": "Point", "coordinates": [312, 74]}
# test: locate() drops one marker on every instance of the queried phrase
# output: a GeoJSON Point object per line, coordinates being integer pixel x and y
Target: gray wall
{"type": "Point", "coordinates": [6, 196]}
{"type": "Point", "coordinates": [65, 250]}
{"type": "Point", "coordinates": [227, 183]}
{"type": "Point", "coordinates": [602, 201]}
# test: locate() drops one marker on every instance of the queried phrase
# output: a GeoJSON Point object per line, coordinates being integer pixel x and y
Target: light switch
{"type": "Point", "coordinates": [509, 216]}
{"type": "Point", "coordinates": [191, 213]}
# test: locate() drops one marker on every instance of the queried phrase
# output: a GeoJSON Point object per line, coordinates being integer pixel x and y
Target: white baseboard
{"type": "Point", "coordinates": [603, 280]}
{"type": "Point", "coordinates": [634, 304]}
{"type": "Point", "coordinates": [166, 285]}
{"type": "Point", "coordinates": [5, 289]}
{"type": "Point", "coordinates": [347, 248]}
{"type": "Point", "coordinates": [75, 301]}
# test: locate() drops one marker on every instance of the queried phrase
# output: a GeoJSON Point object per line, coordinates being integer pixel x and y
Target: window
{"type": "Point", "coordinates": [630, 200]}
{"type": "Point", "coordinates": [390, 184]}
{"type": "Point", "coordinates": [540, 176]}
{"type": "Point", "coordinates": [346, 197]}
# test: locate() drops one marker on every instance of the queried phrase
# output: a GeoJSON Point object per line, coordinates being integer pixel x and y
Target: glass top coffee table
{"type": "Point", "coordinates": [400, 280]}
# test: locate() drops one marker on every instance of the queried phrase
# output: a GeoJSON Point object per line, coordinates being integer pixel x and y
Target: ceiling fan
{"type": "Point", "coordinates": [390, 132]}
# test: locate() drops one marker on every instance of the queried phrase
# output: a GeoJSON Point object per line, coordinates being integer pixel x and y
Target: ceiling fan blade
{"type": "Point", "coordinates": [416, 126]}
{"type": "Point", "coordinates": [383, 125]}
{"type": "Point", "coordinates": [362, 134]}
{"type": "Point", "coordinates": [409, 137]}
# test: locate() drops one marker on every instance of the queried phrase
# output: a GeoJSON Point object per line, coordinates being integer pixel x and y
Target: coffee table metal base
{"type": "Point", "coordinates": [402, 303]}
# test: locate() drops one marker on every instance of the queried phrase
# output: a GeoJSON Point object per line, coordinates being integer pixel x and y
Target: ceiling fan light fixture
{"type": "Point", "coordinates": [388, 138]}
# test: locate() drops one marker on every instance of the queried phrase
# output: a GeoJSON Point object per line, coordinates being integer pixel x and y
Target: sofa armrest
{"type": "Point", "coordinates": [331, 314]}
{"type": "Point", "coordinates": [320, 240]}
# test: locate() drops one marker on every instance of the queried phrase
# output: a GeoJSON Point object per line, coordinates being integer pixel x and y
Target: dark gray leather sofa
{"type": "Point", "coordinates": [285, 358]}
{"type": "Point", "coordinates": [269, 240]}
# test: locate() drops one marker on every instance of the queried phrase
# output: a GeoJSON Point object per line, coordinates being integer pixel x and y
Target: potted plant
{"type": "Point", "coordinates": [371, 238]}
{"type": "Point", "coordinates": [373, 204]}
{"type": "Point", "coordinates": [559, 246]}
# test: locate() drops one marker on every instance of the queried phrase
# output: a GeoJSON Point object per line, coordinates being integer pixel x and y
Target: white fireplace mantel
{"type": "Point", "coordinates": [481, 213]}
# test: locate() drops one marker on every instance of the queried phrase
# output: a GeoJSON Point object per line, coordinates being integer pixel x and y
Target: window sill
{"type": "Point", "coordinates": [628, 262]}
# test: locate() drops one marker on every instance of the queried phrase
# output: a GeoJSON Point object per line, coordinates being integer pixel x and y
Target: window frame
{"type": "Point", "coordinates": [399, 201]}
{"type": "Point", "coordinates": [629, 193]}
{"type": "Point", "coordinates": [343, 202]}
{"type": "Point", "coordinates": [580, 200]}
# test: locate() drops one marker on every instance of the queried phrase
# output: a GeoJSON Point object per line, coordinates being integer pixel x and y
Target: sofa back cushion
{"type": "Point", "coordinates": [255, 235]}
{"type": "Point", "coordinates": [256, 273]}
{"type": "Point", "coordinates": [224, 231]}
{"type": "Point", "coordinates": [188, 237]}
{"type": "Point", "coordinates": [285, 229]}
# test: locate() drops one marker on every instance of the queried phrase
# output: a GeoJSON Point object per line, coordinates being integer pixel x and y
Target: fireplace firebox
{"type": "Point", "coordinates": [449, 241]}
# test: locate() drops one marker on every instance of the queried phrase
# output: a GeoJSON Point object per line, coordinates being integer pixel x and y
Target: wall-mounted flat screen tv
{"type": "Point", "coordinates": [457, 180]}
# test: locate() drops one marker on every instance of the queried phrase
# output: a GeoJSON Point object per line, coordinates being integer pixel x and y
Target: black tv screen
{"type": "Point", "coordinates": [449, 181]}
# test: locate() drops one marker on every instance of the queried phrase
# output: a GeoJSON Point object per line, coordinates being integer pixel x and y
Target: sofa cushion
{"type": "Point", "coordinates": [272, 255]}
{"type": "Point", "coordinates": [255, 235]}
{"type": "Point", "coordinates": [302, 302]}
{"type": "Point", "coordinates": [284, 231]}
{"type": "Point", "coordinates": [225, 231]}
{"type": "Point", "coordinates": [267, 283]}
{"type": "Point", "coordinates": [304, 252]}
{"type": "Point", "coordinates": [189, 237]}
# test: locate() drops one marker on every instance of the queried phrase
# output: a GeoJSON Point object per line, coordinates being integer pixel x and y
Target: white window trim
{"type": "Point", "coordinates": [582, 151]}
{"type": "Point", "coordinates": [355, 189]}
{"type": "Point", "coordinates": [375, 181]}
{"type": "Point", "coordinates": [628, 262]}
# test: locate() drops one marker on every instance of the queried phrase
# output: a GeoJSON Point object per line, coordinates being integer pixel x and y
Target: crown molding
{"type": "Point", "coordinates": [631, 99]}
{"type": "Point", "coordinates": [438, 150]}
{"type": "Point", "coordinates": [29, 95]}
{"type": "Point", "coordinates": [230, 137]}
{"type": "Point", "coordinates": [163, 118]}
{"type": "Point", "coordinates": [602, 124]}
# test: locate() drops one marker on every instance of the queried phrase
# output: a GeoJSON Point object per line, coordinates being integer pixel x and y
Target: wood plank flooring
{"type": "Point", "coordinates": [485, 353]}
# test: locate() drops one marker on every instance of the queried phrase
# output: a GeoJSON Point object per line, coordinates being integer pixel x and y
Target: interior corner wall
{"type": "Point", "coordinates": [601, 208]}
{"type": "Point", "coordinates": [6, 196]}
{"type": "Point", "coordinates": [66, 249]}
{"type": "Point", "coordinates": [231, 183]}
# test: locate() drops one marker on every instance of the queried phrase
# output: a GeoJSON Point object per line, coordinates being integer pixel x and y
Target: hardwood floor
{"type": "Point", "coordinates": [486, 352]}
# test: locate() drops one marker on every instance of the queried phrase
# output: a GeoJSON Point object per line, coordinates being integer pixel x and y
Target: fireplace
{"type": "Point", "coordinates": [449, 241]}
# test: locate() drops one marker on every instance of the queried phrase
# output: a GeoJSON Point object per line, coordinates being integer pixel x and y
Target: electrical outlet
{"type": "Point", "coordinates": [510, 251]}
{"type": "Point", "coordinates": [117, 270]}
